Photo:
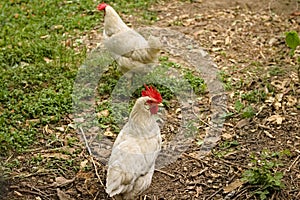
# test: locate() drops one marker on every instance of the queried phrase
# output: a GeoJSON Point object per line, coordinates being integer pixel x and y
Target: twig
{"type": "Point", "coordinates": [33, 192]}
{"type": "Point", "coordinates": [6, 161]}
{"type": "Point", "coordinates": [91, 156]}
{"type": "Point", "coordinates": [214, 194]}
{"type": "Point", "coordinates": [199, 160]}
{"type": "Point", "coordinates": [166, 173]}
{"type": "Point", "coordinates": [39, 192]}
{"type": "Point", "coordinates": [85, 141]}
{"type": "Point", "coordinates": [293, 163]}
{"type": "Point", "coordinates": [96, 196]}
{"type": "Point", "coordinates": [238, 166]}
{"type": "Point", "coordinates": [264, 127]}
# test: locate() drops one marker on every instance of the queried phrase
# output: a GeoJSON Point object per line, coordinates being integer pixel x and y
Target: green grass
{"type": "Point", "coordinates": [37, 69]}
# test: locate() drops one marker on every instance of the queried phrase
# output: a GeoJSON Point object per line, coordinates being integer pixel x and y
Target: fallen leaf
{"type": "Point", "coordinates": [79, 120]}
{"type": "Point", "coordinates": [18, 193]}
{"type": "Point", "coordinates": [276, 118]}
{"type": "Point", "coordinates": [83, 164]}
{"type": "Point", "coordinates": [103, 113]}
{"type": "Point", "coordinates": [269, 134]}
{"type": "Point", "coordinates": [227, 136]}
{"type": "Point", "coordinates": [62, 195]}
{"type": "Point", "coordinates": [44, 36]}
{"type": "Point", "coordinates": [61, 181]}
{"type": "Point", "coordinates": [109, 134]}
{"type": "Point", "coordinates": [242, 123]}
{"type": "Point", "coordinates": [61, 129]}
{"type": "Point", "coordinates": [232, 186]}
{"type": "Point", "coordinates": [227, 40]}
{"type": "Point", "coordinates": [291, 101]}
{"type": "Point", "coordinates": [47, 60]}
{"type": "Point", "coordinates": [56, 155]}
{"type": "Point", "coordinates": [56, 27]}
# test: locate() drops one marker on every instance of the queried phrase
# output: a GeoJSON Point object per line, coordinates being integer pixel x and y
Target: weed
{"type": "Point", "coordinates": [226, 147]}
{"type": "Point", "coordinates": [225, 78]}
{"type": "Point", "coordinates": [229, 144]}
{"type": "Point", "coordinates": [263, 174]}
{"type": "Point", "coordinates": [254, 96]}
{"type": "Point", "coordinates": [238, 106]}
{"type": "Point", "coordinates": [196, 82]}
{"type": "Point", "coordinates": [248, 112]}
{"type": "Point", "coordinates": [275, 71]}
{"type": "Point", "coordinates": [293, 41]}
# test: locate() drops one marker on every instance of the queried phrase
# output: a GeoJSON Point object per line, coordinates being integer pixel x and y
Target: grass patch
{"type": "Point", "coordinates": [37, 66]}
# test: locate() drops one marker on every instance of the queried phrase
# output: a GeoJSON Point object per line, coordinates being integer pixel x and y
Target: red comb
{"type": "Point", "coordinates": [152, 92]}
{"type": "Point", "coordinates": [102, 6]}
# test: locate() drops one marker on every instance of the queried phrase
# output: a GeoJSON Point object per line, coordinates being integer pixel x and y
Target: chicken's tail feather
{"type": "Point", "coordinates": [116, 182]}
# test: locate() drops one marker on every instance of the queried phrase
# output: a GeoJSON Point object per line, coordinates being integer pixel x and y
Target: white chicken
{"type": "Point", "coordinates": [131, 164]}
{"type": "Point", "coordinates": [129, 48]}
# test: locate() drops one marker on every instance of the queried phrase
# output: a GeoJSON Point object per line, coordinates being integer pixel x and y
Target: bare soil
{"type": "Point", "coordinates": [246, 40]}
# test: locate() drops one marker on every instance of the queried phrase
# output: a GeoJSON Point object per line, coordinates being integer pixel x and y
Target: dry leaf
{"type": "Point", "coordinates": [109, 134]}
{"type": "Point", "coordinates": [61, 129]}
{"type": "Point", "coordinates": [227, 136]}
{"type": "Point", "coordinates": [83, 164]}
{"type": "Point", "coordinates": [56, 27]}
{"type": "Point", "coordinates": [276, 118]}
{"type": "Point", "coordinates": [103, 113]}
{"type": "Point", "coordinates": [62, 195]}
{"type": "Point", "coordinates": [227, 40]}
{"type": "Point", "coordinates": [18, 193]}
{"type": "Point", "coordinates": [47, 60]}
{"type": "Point", "coordinates": [232, 186]}
{"type": "Point", "coordinates": [79, 120]}
{"type": "Point", "coordinates": [269, 134]}
{"type": "Point", "coordinates": [291, 101]}
{"type": "Point", "coordinates": [242, 123]}
{"type": "Point", "coordinates": [61, 181]}
{"type": "Point", "coordinates": [44, 36]}
{"type": "Point", "coordinates": [56, 155]}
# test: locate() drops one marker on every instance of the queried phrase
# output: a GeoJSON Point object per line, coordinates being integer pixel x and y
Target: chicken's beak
{"type": "Point", "coordinates": [161, 105]}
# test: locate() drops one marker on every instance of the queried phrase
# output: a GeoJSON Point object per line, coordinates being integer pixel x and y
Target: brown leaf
{"type": "Point", "coordinates": [62, 195]}
{"type": "Point", "coordinates": [269, 134]}
{"type": "Point", "coordinates": [61, 181]}
{"type": "Point", "coordinates": [242, 123]}
{"type": "Point", "coordinates": [56, 155]}
{"type": "Point", "coordinates": [47, 60]}
{"type": "Point", "coordinates": [227, 136]}
{"type": "Point", "coordinates": [44, 36]}
{"type": "Point", "coordinates": [292, 101]}
{"type": "Point", "coordinates": [232, 186]}
{"type": "Point", "coordinates": [103, 113]}
{"type": "Point", "coordinates": [276, 118]}
{"type": "Point", "coordinates": [109, 134]}
{"type": "Point", "coordinates": [18, 193]}
{"type": "Point", "coordinates": [83, 164]}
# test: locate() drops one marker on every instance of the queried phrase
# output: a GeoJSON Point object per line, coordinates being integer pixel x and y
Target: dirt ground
{"type": "Point", "coordinates": [246, 40]}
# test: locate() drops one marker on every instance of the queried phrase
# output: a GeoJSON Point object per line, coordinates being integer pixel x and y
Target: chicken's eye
{"type": "Point", "coordinates": [150, 102]}
{"type": "Point", "coordinates": [147, 106]}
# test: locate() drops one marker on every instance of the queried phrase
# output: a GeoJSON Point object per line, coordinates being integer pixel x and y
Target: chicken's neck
{"type": "Point", "coordinates": [113, 23]}
{"type": "Point", "coordinates": [141, 121]}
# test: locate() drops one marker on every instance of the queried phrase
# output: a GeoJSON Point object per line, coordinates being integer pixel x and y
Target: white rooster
{"type": "Point", "coordinates": [130, 49]}
{"type": "Point", "coordinates": [131, 164]}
